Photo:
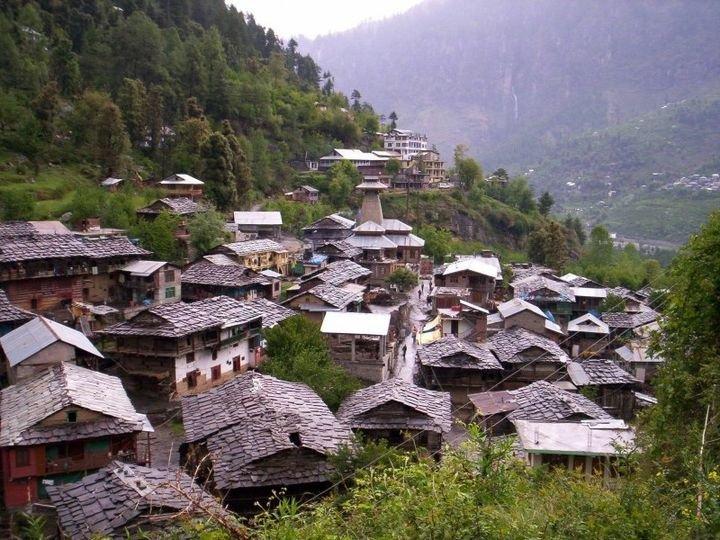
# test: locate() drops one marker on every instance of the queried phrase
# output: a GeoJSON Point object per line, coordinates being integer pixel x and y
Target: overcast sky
{"type": "Point", "coordinates": [312, 18]}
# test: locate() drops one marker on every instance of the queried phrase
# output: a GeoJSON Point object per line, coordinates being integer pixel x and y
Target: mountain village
{"type": "Point", "coordinates": [123, 374]}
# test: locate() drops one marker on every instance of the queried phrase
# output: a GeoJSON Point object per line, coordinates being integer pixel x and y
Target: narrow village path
{"type": "Point", "coordinates": [406, 365]}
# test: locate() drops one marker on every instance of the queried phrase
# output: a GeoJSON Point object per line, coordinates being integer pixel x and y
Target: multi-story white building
{"type": "Point", "coordinates": [405, 142]}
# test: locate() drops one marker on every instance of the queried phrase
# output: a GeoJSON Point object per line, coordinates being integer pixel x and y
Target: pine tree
{"type": "Point", "coordinates": [545, 203]}
{"type": "Point", "coordinates": [217, 166]}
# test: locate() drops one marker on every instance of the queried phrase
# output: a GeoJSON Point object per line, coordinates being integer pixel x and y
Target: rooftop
{"type": "Point", "coordinates": [541, 401]}
{"type": "Point", "coordinates": [266, 411]}
{"type": "Point", "coordinates": [249, 247]}
{"type": "Point", "coordinates": [588, 323]}
{"type": "Point", "coordinates": [337, 297]}
{"type": "Point", "coordinates": [39, 333]}
{"type": "Point", "coordinates": [65, 246]}
{"type": "Point", "coordinates": [11, 313]}
{"type": "Point", "coordinates": [528, 288]}
{"type": "Point", "coordinates": [629, 320]}
{"type": "Point", "coordinates": [598, 372]}
{"type": "Point", "coordinates": [143, 268]}
{"type": "Point", "coordinates": [453, 352]}
{"type": "Point", "coordinates": [105, 503]}
{"type": "Point", "coordinates": [342, 248]}
{"type": "Point", "coordinates": [365, 324]}
{"type": "Point", "coordinates": [208, 273]}
{"type": "Point", "coordinates": [257, 218]}
{"type": "Point", "coordinates": [340, 272]}
{"type": "Point", "coordinates": [181, 179]}
{"type": "Point", "coordinates": [357, 410]}
{"type": "Point", "coordinates": [178, 205]}
{"type": "Point", "coordinates": [589, 437]}
{"type": "Point", "coordinates": [518, 345]}
{"type": "Point", "coordinates": [333, 221]}
{"type": "Point", "coordinates": [24, 405]}
{"type": "Point", "coordinates": [486, 266]}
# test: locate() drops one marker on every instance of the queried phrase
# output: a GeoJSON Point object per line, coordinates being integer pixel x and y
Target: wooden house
{"type": "Point", "coordinates": [306, 194]}
{"type": "Point", "coordinates": [590, 447]}
{"type": "Point", "coordinates": [527, 357]}
{"type": "Point", "coordinates": [182, 185]}
{"type": "Point", "coordinates": [521, 314]}
{"type": "Point", "coordinates": [277, 434]}
{"type": "Point", "coordinates": [60, 424]}
{"type": "Point", "coordinates": [540, 401]}
{"type": "Point", "coordinates": [551, 295]}
{"type": "Point", "coordinates": [479, 274]}
{"type": "Point", "coordinates": [398, 411]}
{"type": "Point", "coordinates": [611, 386]}
{"type": "Point", "coordinates": [459, 367]}
{"type": "Point", "coordinates": [362, 343]}
{"type": "Point", "coordinates": [148, 283]}
{"type": "Point", "coordinates": [409, 246]}
{"type": "Point", "coordinates": [186, 347]}
{"type": "Point", "coordinates": [128, 500]}
{"type": "Point", "coordinates": [205, 279]}
{"type": "Point", "coordinates": [259, 224]}
{"type": "Point", "coordinates": [328, 229]}
{"type": "Point", "coordinates": [635, 358]}
{"type": "Point", "coordinates": [339, 250]}
{"type": "Point", "coordinates": [587, 300]}
{"type": "Point", "coordinates": [464, 320]}
{"type": "Point", "coordinates": [260, 254]}
{"type": "Point", "coordinates": [338, 273]}
{"type": "Point", "coordinates": [41, 343]}
{"type": "Point", "coordinates": [589, 336]}
{"type": "Point", "coordinates": [316, 302]}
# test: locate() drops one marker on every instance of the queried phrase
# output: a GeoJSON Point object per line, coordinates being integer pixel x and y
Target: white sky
{"type": "Point", "coordinates": [313, 18]}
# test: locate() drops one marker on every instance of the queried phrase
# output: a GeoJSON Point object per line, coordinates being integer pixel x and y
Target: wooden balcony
{"type": "Point", "coordinates": [87, 462]}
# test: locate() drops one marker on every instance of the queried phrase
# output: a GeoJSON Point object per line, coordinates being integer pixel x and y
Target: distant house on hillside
{"type": "Point", "coordinates": [306, 194]}
{"type": "Point", "coordinates": [182, 185]}
{"type": "Point", "coordinates": [328, 229]}
{"type": "Point", "coordinates": [258, 224]}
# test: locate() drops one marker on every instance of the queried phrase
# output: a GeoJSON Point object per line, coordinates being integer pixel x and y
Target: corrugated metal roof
{"type": "Point", "coordinates": [182, 179]}
{"type": "Point", "coordinates": [589, 292]}
{"type": "Point", "coordinates": [589, 437]}
{"type": "Point", "coordinates": [143, 268]}
{"type": "Point", "coordinates": [34, 336]}
{"type": "Point", "coordinates": [487, 266]}
{"type": "Point", "coordinates": [588, 323]}
{"type": "Point", "coordinates": [258, 218]}
{"type": "Point", "coordinates": [517, 305]}
{"type": "Point", "coordinates": [365, 324]}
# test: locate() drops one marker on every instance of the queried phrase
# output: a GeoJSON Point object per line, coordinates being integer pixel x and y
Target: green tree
{"type": "Point", "coordinates": [545, 203]}
{"type": "Point", "coordinates": [548, 245]}
{"type": "Point", "coordinates": [16, 204]}
{"type": "Point", "coordinates": [437, 242]}
{"type": "Point", "coordinates": [158, 236]}
{"type": "Point", "coordinates": [133, 102]}
{"type": "Point", "coordinates": [191, 136]}
{"type": "Point", "coordinates": [403, 278]}
{"type": "Point", "coordinates": [600, 246]}
{"type": "Point", "coordinates": [612, 304]}
{"type": "Point", "coordinates": [469, 172]}
{"type": "Point", "coordinates": [64, 66]}
{"type": "Point", "coordinates": [343, 177]}
{"type": "Point", "coordinates": [393, 167]}
{"type": "Point", "coordinates": [241, 168]}
{"type": "Point", "coordinates": [218, 171]}
{"type": "Point", "coordinates": [393, 120]}
{"type": "Point", "coordinates": [298, 352]}
{"type": "Point", "coordinates": [207, 230]}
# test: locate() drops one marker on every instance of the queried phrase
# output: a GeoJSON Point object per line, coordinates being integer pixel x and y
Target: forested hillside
{"type": "Point", "coordinates": [141, 89]}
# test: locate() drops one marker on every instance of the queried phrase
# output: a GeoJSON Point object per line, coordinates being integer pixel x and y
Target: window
{"type": "Point", "coordinates": [22, 457]}
{"type": "Point", "coordinates": [33, 303]}
{"type": "Point", "coordinates": [295, 438]}
{"type": "Point", "coordinates": [215, 373]}
{"type": "Point", "coordinates": [72, 416]}
{"type": "Point", "coordinates": [237, 364]}
{"type": "Point", "coordinates": [169, 275]}
{"type": "Point", "coordinates": [192, 379]}
{"type": "Point", "coordinates": [169, 292]}
{"type": "Point", "coordinates": [190, 357]}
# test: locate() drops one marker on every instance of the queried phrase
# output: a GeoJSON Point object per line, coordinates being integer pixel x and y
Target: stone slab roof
{"type": "Point", "coordinates": [340, 272]}
{"type": "Point", "coordinates": [343, 248]}
{"type": "Point", "coordinates": [629, 320]}
{"type": "Point", "coordinates": [249, 247]}
{"type": "Point", "coordinates": [24, 405]}
{"type": "Point", "coordinates": [337, 297]}
{"type": "Point", "coordinates": [532, 287]}
{"type": "Point", "coordinates": [357, 410]}
{"type": "Point", "coordinates": [64, 246]}
{"type": "Point", "coordinates": [271, 312]}
{"type": "Point", "coordinates": [268, 417]}
{"type": "Point", "coordinates": [10, 313]}
{"type": "Point", "coordinates": [123, 495]}
{"type": "Point", "coordinates": [176, 205]}
{"type": "Point", "coordinates": [333, 221]}
{"type": "Point", "coordinates": [518, 345]}
{"type": "Point", "coordinates": [598, 372]}
{"type": "Point", "coordinates": [222, 275]}
{"type": "Point", "coordinates": [541, 401]}
{"type": "Point", "coordinates": [453, 352]}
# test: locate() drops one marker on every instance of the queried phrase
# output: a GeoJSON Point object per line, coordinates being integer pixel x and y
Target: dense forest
{"type": "Point", "coordinates": [141, 89]}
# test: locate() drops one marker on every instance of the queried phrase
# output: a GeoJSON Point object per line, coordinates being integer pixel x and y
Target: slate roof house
{"type": "Point", "coordinates": [635, 358]}
{"type": "Point", "coordinates": [60, 424]}
{"type": "Point", "coordinates": [186, 347]}
{"type": "Point", "coordinates": [122, 498]}
{"type": "Point", "coordinates": [588, 335]}
{"type": "Point", "coordinates": [328, 229]}
{"type": "Point", "coordinates": [144, 283]}
{"type": "Point", "coordinates": [11, 316]}
{"type": "Point", "coordinates": [360, 342]}
{"type": "Point", "coordinates": [258, 224]}
{"type": "Point", "coordinates": [540, 401]}
{"type": "Point", "coordinates": [612, 386]}
{"type": "Point", "coordinates": [548, 294]}
{"type": "Point", "coordinates": [337, 273]}
{"type": "Point", "coordinates": [522, 314]}
{"type": "Point", "coordinates": [338, 250]}
{"type": "Point", "coordinates": [306, 194]}
{"type": "Point", "coordinates": [205, 279]}
{"type": "Point", "coordinates": [315, 302]}
{"type": "Point", "coordinates": [182, 185]}
{"type": "Point", "coordinates": [258, 255]}
{"type": "Point", "coordinates": [395, 409]}
{"type": "Point", "coordinates": [623, 324]}
{"type": "Point", "coordinates": [590, 447]}
{"type": "Point", "coordinates": [528, 357]}
{"type": "Point", "coordinates": [46, 273]}
{"type": "Point", "coordinates": [41, 343]}
{"type": "Point", "coordinates": [277, 434]}
{"type": "Point", "coordinates": [458, 367]}
{"type": "Point", "coordinates": [476, 273]}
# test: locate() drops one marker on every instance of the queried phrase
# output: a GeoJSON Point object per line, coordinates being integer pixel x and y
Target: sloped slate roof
{"type": "Point", "coordinates": [27, 403]}
{"type": "Point", "coordinates": [407, 240]}
{"type": "Point", "coordinates": [175, 205]}
{"type": "Point", "coordinates": [271, 312]}
{"type": "Point", "coordinates": [598, 372]}
{"type": "Point", "coordinates": [453, 352]}
{"type": "Point", "coordinates": [255, 246]}
{"type": "Point", "coordinates": [64, 246]}
{"type": "Point", "coordinates": [347, 250]}
{"type": "Point", "coordinates": [528, 288]}
{"type": "Point", "coordinates": [516, 305]}
{"type": "Point", "coordinates": [120, 495]}
{"type": "Point", "coordinates": [395, 226]}
{"type": "Point", "coordinates": [39, 333]}
{"type": "Point", "coordinates": [335, 296]}
{"type": "Point", "coordinates": [340, 272]}
{"type": "Point", "coordinates": [167, 320]}
{"type": "Point", "coordinates": [221, 275]}
{"type": "Point", "coordinates": [357, 410]}
{"type": "Point", "coordinates": [512, 346]}
{"type": "Point", "coordinates": [265, 412]}
{"type": "Point", "coordinates": [333, 221]}
{"type": "Point", "coordinates": [11, 313]}
{"type": "Point", "coordinates": [629, 320]}
{"type": "Point", "coordinates": [541, 401]}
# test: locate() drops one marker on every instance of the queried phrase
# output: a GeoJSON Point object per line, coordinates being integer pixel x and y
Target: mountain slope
{"type": "Point", "coordinates": [512, 78]}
